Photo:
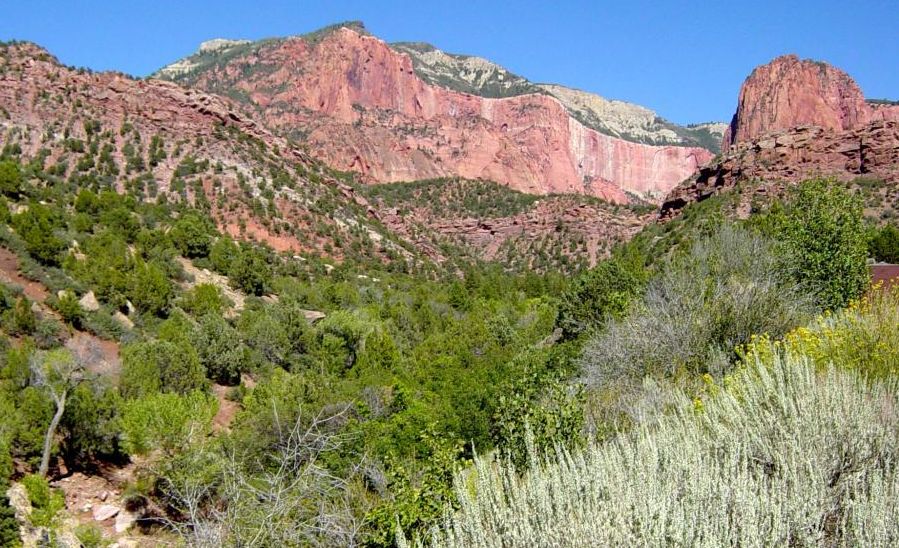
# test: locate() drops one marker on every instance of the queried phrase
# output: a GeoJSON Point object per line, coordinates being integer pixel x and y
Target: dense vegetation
{"type": "Point", "coordinates": [286, 400]}
{"type": "Point", "coordinates": [399, 383]}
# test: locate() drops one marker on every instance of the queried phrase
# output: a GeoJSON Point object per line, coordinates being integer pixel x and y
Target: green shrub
{"type": "Point", "coordinates": [697, 311]}
{"type": "Point", "coordinates": [884, 245]}
{"type": "Point", "coordinates": [69, 309]}
{"type": "Point", "coordinates": [204, 299]}
{"type": "Point", "coordinates": [10, 178]}
{"type": "Point", "coordinates": [9, 525]}
{"type": "Point", "coordinates": [21, 320]}
{"type": "Point", "coordinates": [823, 232]}
{"type": "Point", "coordinates": [37, 227]}
{"type": "Point", "coordinates": [167, 422]}
{"type": "Point", "coordinates": [191, 235]}
{"type": "Point", "coordinates": [46, 503]}
{"type": "Point", "coordinates": [601, 293]}
{"type": "Point", "coordinates": [250, 272]}
{"type": "Point", "coordinates": [787, 455]}
{"type": "Point", "coordinates": [154, 366]}
{"type": "Point", "coordinates": [219, 349]}
{"type": "Point", "coordinates": [90, 535]}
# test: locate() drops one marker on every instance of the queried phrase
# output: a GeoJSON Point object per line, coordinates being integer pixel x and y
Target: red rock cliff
{"type": "Point", "coordinates": [360, 106]}
{"type": "Point", "coordinates": [789, 92]}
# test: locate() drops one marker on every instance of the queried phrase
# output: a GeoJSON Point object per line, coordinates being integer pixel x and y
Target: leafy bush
{"type": "Point", "coordinates": [191, 235]}
{"type": "Point", "coordinates": [884, 244]}
{"type": "Point", "coordinates": [697, 311]}
{"type": "Point", "coordinates": [823, 232]}
{"type": "Point", "coordinates": [787, 455]}
{"type": "Point", "coordinates": [9, 525]}
{"type": "Point", "coordinates": [46, 503]}
{"type": "Point", "coordinates": [219, 349]}
{"type": "Point", "coordinates": [90, 535]}
{"type": "Point", "coordinates": [37, 226]}
{"type": "Point", "coordinates": [601, 293]}
{"type": "Point", "coordinates": [249, 272]}
{"type": "Point", "coordinates": [168, 422]}
{"type": "Point", "coordinates": [863, 337]}
{"type": "Point", "coordinates": [204, 299]}
{"type": "Point", "coordinates": [69, 309]}
{"type": "Point", "coordinates": [10, 178]}
{"type": "Point", "coordinates": [154, 366]}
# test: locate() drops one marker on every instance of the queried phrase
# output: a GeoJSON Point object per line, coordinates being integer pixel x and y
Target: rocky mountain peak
{"type": "Point", "coordinates": [790, 92]}
{"type": "Point", "coordinates": [409, 111]}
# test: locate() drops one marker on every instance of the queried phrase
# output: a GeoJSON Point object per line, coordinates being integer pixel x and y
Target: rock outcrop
{"type": "Point", "coordinates": [770, 163]}
{"type": "Point", "coordinates": [797, 119]}
{"type": "Point", "coordinates": [361, 106]}
{"type": "Point", "coordinates": [789, 92]}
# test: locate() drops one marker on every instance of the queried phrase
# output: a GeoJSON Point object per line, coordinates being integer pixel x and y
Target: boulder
{"type": "Point", "coordinates": [124, 520]}
{"type": "Point", "coordinates": [89, 302]}
{"type": "Point", "coordinates": [105, 512]}
{"type": "Point", "coordinates": [123, 320]}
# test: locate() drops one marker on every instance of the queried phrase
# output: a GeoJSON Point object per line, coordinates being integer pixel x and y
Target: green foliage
{"type": "Point", "coordinates": [222, 254]}
{"type": "Point", "coordinates": [603, 292]}
{"type": "Point", "coordinates": [160, 366]}
{"type": "Point", "coordinates": [863, 338]}
{"type": "Point", "coordinates": [419, 494]}
{"type": "Point", "coordinates": [90, 535]}
{"type": "Point", "coordinates": [823, 232]}
{"type": "Point", "coordinates": [191, 235]}
{"type": "Point", "coordinates": [167, 422]}
{"type": "Point", "coordinates": [884, 244]}
{"type": "Point", "coordinates": [90, 425]}
{"type": "Point", "coordinates": [694, 315]}
{"type": "Point", "coordinates": [20, 320]}
{"type": "Point", "coordinates": [204, 299]}
{"type": "Point", "coordinates": [10, 178]}
{"type": "Point", "coordinates": [69, 309]}
{"type": "Point", "coordinates": [46, 503]}
{"type": "Point", "coordinates": [219, 349]}
{"type": "Point", "coordinates": [537, 408]}
{"type": "Point", "coordinates": [9, 525]}
{"type": "Point", "coordinates": [151, 290]}
{"type": "Point", "coordinates": [249, 272]}
{"type": "Point", "coordinates": [36, 226]}
{"type": "Point", "coordinates": [783, 454]}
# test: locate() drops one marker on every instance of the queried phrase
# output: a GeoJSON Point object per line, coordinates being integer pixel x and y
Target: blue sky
{"type": "Point", "coordinates": [685, 60]}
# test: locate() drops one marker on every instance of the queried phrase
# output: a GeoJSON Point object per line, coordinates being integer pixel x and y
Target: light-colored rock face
{"type": "Point", "coordinates": [789, 92]}
{"type": "Point", "coordinates": [218, 44]}
{"type": "Point", "coordinates": [616, 118]}
{"type": "Point", "coordinates": [361, 106]}
{"type": "Point", "coordinates": [209, 48]}
{"type": "Point", "coordinates": [465, 73]}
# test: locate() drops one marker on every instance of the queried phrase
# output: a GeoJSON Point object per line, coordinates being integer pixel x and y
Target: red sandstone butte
{"type": "Point", "coordinates": [359, 106]}
{"type": "Point", "coordinates": [797, 119]}
{"type": "Point", "coordinates": [789, 92]}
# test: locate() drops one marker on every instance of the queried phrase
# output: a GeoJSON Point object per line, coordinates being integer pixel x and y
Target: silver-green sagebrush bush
{"type": "Point", "coordinates": [787, 454]}
{"type": "Point", "coordinates": [726, 288]}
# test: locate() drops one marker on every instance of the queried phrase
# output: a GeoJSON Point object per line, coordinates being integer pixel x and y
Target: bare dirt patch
{"type": "Point", "coordinates": [104, 354]}
{"type": "Point", "coordinates": [227, 409]}
{"type": "Point", "coordinates": [9, 272]}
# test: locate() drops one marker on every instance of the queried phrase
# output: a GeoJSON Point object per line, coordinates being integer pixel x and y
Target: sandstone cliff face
{"type": "Point", "coordinates": [797, 119]}
{"type": "Point", "coordinates": [99, 129]}
{"type": "Point", "coordinates": [360, 106]}
{"type": "Point", "coordinates": [789, 92]}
